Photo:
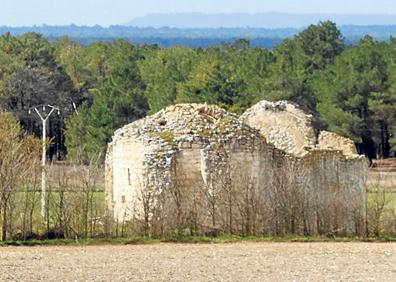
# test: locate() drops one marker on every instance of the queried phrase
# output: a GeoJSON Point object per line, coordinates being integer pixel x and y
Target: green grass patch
{"type": "Point", "coordinates": [190, 240]}
{"type": "Point", "coordinates": [83, 242]}
{"type": "Point", "coordinates": [390, 197]}
{"type": "Point", "coordinates": [167, 136]}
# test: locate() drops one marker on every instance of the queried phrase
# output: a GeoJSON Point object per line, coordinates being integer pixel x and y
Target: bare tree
{"type": "Point", "coordinates": [88, 175]}
{"type": "Point", "coordinates": [287, 196]}
{"type": "Point", "coordinates": [376, 205]}
{"type": "Point", "coordinates": [18, 152]}
{"type": "Point", "coordinates": [31, 190]}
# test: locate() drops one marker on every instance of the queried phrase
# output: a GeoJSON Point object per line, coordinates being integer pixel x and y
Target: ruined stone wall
{"type": "Point", "coordinates": [125, 170]}
{"type": "Point", "coordinates": [201, 168]}
{"type": "Point", "coordinates": [335, 187]}
{"type": "Point", "coordinates": [283, 124]}
{"type": "Point", "coordinates": [329, 174]}
{"type": "Point", "coordinates": [205, 154]}
{"type": "Point", "coordinates": [195, 172]}
{"type": "Point", "coordinates": [236, 173]}
{"type": "Point", "coordinates": [332, 141]}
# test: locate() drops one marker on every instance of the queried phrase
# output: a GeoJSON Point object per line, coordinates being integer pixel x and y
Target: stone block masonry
{"type": "Point", "coordinates": [199, 167]}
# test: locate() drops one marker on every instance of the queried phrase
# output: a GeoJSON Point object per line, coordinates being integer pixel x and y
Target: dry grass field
{"type": "Point", "coordinates": [202, 262]}
{"type": "Point", "coordinates": [383, 174]}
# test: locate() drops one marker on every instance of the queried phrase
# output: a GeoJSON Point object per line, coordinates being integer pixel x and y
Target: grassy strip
{"type": "Point", "coordinates": [236, 239]}
{"type": "Point", "coordinates": [188, 240]}
{"type": "Point", "coordinates": [83, 242]}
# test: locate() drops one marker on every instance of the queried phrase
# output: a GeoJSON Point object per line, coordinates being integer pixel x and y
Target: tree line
{"type": "Point", "coordinates": [349, 89]}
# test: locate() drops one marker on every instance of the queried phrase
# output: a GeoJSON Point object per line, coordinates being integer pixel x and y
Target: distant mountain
{"type": "Point", "coordinates": [261, 20]}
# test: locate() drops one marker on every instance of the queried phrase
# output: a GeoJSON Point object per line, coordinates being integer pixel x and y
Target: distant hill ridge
{"type": "Point", "coordinates": [261, 20]}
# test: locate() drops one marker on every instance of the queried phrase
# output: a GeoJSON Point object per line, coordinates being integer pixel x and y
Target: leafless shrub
{"type": "Point", "coordinates": [18, 153]}
{"type": "Point", "coordinates": [378, 200]}
{"type": "Point", "coordinates": [288, 197]}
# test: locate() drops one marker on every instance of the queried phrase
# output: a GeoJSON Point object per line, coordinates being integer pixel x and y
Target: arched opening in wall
{"type": "Point", "coordinates": [129, 176]}
{"type": "Point", "coordinates": [123, 199]}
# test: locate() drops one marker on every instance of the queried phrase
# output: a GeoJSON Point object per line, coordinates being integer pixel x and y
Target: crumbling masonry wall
{"type": "Point", "coordinates": [200, 168]}
{"type": "Point", "coordinates": [185, 150]}
{"type": "Point", "coordinates": [328, 170]}
{"type": "Point", "coordinates": [331, 192]}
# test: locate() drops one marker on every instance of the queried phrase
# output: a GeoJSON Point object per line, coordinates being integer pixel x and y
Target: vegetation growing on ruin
{"type": "Point", "coordinates": [224, 124]}
{"type": "Point", "coordinates": [167, 136]}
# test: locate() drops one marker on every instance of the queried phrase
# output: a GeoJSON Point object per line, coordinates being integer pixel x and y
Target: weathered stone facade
{"type": "Point", "coordinates": [284, 125]}
{"type": "Point", "coordinates": [195, 144]}
{"type": "Point", "coordinates": [330, 171]}
{"type": "Point", "coordinates": [219, 170]}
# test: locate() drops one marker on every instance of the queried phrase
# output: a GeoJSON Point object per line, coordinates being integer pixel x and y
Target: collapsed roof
{"type": "Point", "coordinates": [288, 128]}
{"type": "Point", "coordinates": [187, 123]}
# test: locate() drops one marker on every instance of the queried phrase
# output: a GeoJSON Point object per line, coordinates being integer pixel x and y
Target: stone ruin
{"type": "Point", "coordinates": [199, 164]}
{"type": "Point", "coordinates": [325, 165]}
{"type": "Point", "coordinates": [190, 143]}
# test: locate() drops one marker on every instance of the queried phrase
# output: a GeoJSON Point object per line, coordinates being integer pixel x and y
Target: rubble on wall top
{"type": "Point", "coordinates": [274, 106]}
{"type": "Point", "coordinates": [187, 123]}
{"type": "Point", "coordinates": [284, 125]}
{"type": "Point", "coordinates": [332, 141]}
{"type": "Point", "coordinates": [290, 129]}
{"type": "Point", "coordinates": [282, 106]}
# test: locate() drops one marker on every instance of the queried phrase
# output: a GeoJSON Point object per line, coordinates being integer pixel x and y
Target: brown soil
{"type": "Point", "coordinates": [224, 262]}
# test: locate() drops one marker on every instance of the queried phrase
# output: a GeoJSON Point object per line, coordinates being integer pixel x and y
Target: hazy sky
{"type": "Point", "coordinates": [106, 12]}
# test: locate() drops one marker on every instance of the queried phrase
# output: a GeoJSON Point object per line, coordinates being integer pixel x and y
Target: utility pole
{"type": "Point", "coordinates": [44, 117]}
